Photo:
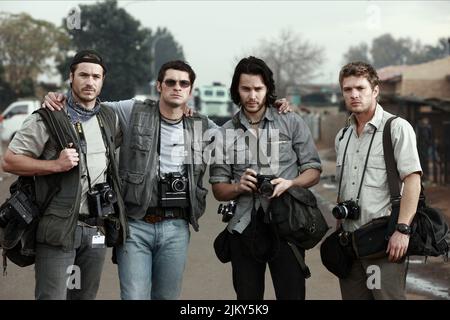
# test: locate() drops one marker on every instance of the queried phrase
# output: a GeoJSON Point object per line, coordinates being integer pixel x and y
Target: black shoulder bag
{"type": "Point", "coordinates": [429, 230]}
{"type": "Point", "coordinates": [19, 214]}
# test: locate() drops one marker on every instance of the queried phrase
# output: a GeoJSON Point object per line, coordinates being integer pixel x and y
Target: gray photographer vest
{"type": "Point", "coordinates": [138, 166]}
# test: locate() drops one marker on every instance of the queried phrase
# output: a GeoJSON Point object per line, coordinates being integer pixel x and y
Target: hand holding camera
{"type": "Point", "coordinates": [259, 183]}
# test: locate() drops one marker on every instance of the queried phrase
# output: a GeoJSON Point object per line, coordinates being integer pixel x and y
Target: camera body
{"type": "Point", "coordinates": [173, 190]}
{"type": "Point", "coordinates": [347, 210]}
{"type": "Point", "coordinates": [227, 210]}
{"type": "Point", "coordinates": [101, 199]}
{"type": "Point", "coordinates": [18, 207]}
{"type": "Point", "coordinates": [263, 184]}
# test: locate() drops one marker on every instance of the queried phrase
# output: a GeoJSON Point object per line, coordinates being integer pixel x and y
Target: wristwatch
{"type": "Point", "coordinates": [403, 228]}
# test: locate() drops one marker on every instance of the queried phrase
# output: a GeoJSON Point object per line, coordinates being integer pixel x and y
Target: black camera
{"type": "Point", "coordinates": [346, 210]}
{"type": "Point", "coordinates": [101, 199]}
{"type": "Point", "coordinates": [263, 184]}
{"type": "Point", "coordinates": [173, 189]}
{"type": "Point", "coordinates": [18, 207]}
{"type": "Point", "coordinates": [227, 210]}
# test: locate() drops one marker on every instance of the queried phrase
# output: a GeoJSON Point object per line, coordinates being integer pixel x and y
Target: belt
{"type": "Point", "coordinates": [87, 219]}
{"type": "Point", "coordinates": [158, 214]}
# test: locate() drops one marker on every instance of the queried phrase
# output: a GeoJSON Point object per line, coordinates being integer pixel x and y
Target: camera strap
{"type": "Point", "coordinates": [83, 144]}
{"type": "Point", "coordinates": [159, 142]}
{"type": "Point", "coordinates": [364, 170]}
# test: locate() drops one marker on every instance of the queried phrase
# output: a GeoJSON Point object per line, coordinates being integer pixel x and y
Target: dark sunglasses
{"type": "Point", "coordinates": [172, 83]}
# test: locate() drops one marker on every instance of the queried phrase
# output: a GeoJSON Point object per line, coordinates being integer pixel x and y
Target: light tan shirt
{"type": "Point", "coordinates": [374, 200]}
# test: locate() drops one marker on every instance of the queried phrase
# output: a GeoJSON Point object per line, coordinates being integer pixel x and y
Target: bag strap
{"type": "Point", "coordinates": [53, 126]}
{"type": "Point", "coordinates": [52, 122]}
{"type": "Point", "coordinates": [392, 175]}
{"type": "Point", "coordinates": [300, 260]}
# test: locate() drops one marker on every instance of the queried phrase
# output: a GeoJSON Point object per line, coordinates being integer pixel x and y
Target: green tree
{"type": "Point", "coordinates": [27, 49]}
{"type": "Point", "coordinates": [357, 53]}
{"type": "Point", "coordinates": [428, 52]}
{"type": "Point", "coordinates": [165, 49]}
{"type": "Point", "coordinates": [387, 51]}
{"type": "Point", "coordinates": [122, 42]}
{"type": "Point", "coordinates": [7, 94]}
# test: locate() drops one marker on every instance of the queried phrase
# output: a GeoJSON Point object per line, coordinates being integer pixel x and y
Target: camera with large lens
{"type": "Point", "coordinates": [101, 199]}
{"type": "Point", "coordinates": [227, 210]}
{"type": "Point", "coordinates": [263, 184]}
{"type": "Point", "coordinates": [18, 207]}
{"type": "Point", "coordinates": [173, 190]}
{"type": "Point", "coordinates": [346, 210]}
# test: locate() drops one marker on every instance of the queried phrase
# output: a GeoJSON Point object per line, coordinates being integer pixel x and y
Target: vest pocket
{"type": "Point", "coordinates": [141, 138]}
{"type": "Point", "coordinates": [132, 186]}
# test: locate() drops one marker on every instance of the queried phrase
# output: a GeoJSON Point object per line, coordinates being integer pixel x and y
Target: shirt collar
{"type": "Point", "coordinates": [268, 115]}
{"type": "Point", "coordinates": [376, 119]}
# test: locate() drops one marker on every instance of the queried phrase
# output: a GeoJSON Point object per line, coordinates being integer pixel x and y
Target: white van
{"type": "Point", "coordinates": [12, 118]}
{"type": "Point", "coordinates": [215, 102]}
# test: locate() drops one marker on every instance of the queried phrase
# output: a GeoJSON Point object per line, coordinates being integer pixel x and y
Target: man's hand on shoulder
{"type": "Point", "coordinates": [283, 105]}
{"type": "Point", "coordinates": [54, 101]}
{"type": "Point", "coordinates": [188, 112]}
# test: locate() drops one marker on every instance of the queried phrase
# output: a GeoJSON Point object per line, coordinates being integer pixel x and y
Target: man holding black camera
{"type": "Point", "coordinates": [79, 185]}
{"type": "Point", "coordinates": [363, 188]}
{"type": "Point", "coordinates": [265, 155]}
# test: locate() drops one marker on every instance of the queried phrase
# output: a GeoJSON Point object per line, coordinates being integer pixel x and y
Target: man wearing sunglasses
{"type": "Point", "coordinates": [162, 194]}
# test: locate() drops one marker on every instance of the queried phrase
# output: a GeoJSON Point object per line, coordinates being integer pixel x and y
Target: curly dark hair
{"type": "Point", "coordinates": [359, 69]}
{"type": "Point", "coordinates": [253, 66]}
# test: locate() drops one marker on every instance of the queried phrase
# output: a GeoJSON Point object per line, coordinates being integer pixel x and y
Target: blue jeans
{"type": "Point", "coordinates": [152, 260]}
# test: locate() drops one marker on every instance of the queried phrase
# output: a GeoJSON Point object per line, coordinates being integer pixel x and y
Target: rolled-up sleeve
{"type": "Point", "coordinates": [123, 110]}
{"type": "Point", "coordinates": [405, 148]}
{"type": "Point", "coordinates": [219, 173]}
{"type": "Point", "coordinates": [30, 140]}
{"type": "Point", "coordinates": [303, 144]}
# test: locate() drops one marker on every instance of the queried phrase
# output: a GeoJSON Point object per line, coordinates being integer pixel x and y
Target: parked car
{"type": "Point", "coordinates": [12, 118]}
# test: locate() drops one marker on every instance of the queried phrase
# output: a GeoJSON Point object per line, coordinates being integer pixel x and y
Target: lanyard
{"type": "Point", "coordinates": [365, 166]}
{"type": "Point", "coordinates": [83, 144]}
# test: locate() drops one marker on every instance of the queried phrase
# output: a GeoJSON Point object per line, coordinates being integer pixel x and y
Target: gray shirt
{"type": "Point", "coordinates": [374, 200]}
{"type": "Point", "coordinates": [172, 141]}
{"type": "Point", "coordinates": [286, 148]}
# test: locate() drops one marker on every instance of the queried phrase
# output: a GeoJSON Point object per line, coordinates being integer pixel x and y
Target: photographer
{"type": "Point", "coordinates": [69, 233]}
{"type": "Point", "coordinates": [363, 192]}
{"type": "Point", "coordinates": [268, 153]}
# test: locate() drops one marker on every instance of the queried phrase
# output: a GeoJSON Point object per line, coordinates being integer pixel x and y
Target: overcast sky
{"type": "Point", "coordinates": [214, 33]}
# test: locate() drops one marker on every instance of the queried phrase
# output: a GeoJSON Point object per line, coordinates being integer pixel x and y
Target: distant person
{"type": "Point", "coordinates": [253, 244]}
{"type": "Point", "coordinates": [425, 145]}
{"type": "Point", "coordinates": [361, 142]}
{"type": "Point", "coordinates": [69, 234]}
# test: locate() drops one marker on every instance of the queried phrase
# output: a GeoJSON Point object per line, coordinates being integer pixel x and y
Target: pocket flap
{"type": "Point", "coordinates": [136, 178]}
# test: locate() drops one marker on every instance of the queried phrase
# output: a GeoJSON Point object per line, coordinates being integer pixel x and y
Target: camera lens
{"type": "Point", "coordinates": [178, 185]}
{"type": "Point", "coordinates": [340, 212]}
{"type": "Point", "coordinates": [266, 189]}
{"type": "Point", "coordinates": [110, 196]}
